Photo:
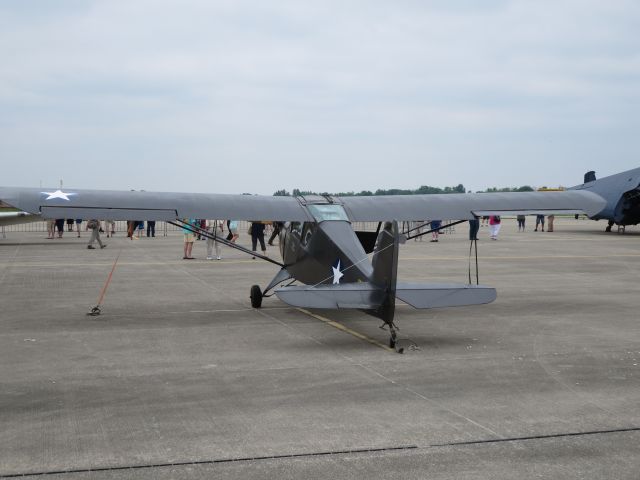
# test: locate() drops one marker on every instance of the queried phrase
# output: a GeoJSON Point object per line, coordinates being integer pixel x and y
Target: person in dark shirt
{"type": "Point", "coordinates": [276, 230]}
{"type": "Point", "coordinates": [257, 234]}
{"type": "Point", "coordinates": [474, 226]}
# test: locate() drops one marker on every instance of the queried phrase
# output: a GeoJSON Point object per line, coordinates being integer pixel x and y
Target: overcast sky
{"type": "Point", "coordinates": [254, 96]}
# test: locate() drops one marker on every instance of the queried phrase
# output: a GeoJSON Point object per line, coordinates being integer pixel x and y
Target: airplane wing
{"type": "Point", "coordinates": [465, 205]}
{"type": "Point", "coordinates": [140, 205]}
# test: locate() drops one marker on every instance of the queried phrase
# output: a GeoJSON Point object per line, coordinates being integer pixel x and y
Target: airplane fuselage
{"type": "Point", "coordinates": [312, 250]}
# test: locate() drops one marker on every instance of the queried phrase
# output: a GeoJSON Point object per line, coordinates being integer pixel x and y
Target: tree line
{"type": "Point", "coordinates": [423, 190]}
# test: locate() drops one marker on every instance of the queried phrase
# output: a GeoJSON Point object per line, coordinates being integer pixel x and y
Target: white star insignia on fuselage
{"type": "Point", "coordinates": [337, 274]}
{"type": "Point", "coordinates": [58, 194]}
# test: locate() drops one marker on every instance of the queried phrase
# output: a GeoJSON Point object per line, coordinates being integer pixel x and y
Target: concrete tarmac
{"type": "Point", "coordinates": [180, 378]}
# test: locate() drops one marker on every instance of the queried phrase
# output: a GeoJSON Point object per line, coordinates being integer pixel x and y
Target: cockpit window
{"type": "Point", "coordinates": [328, 212]}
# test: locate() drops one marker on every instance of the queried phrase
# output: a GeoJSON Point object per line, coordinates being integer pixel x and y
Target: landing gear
{"type": "Point", "coordinates": [393, 336]}
{"type": "Point", "coordinates": [608, 229]}
{"type": "Point", "coordinates": [256, 296]}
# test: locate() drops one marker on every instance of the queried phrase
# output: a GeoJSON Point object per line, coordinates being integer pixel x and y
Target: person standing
{"type": "Point", "coordinates": [94, 226]}
{"type": "Point", "coordinates": [435, 229]}
{"type": "Point", "coordinates": [276, 230]}
{"type": "Point", "coordinates": [550, 220]}
{"type": "Point", "coordinates": [110, 227]}
{"type": "Point", "coordinates": [189, 237]}
{"type": "Point", "coordinates": [494, 226]}
{"type": "Point", "coordinates": [257, 235]}
{"type": "Point", "coordinates": [215, 229]}
{"type": "Point", "coordinates": [521, 220]}
{"type": "Point", "coordinates": [70, 224]}
{"type": "Point", "coordinates": [151, 228]}
{"type": "Point", "coordinates": [474, 226]}
{"type": "Point", "coordinates": [131, 226]}
{"type": "Point", "coordinates": [60, 226]}
{"type": "Point", "coordinates": [51, 228]}
{"type": "Point", "coordinates": [78, 224]}
{"type": "Point", "coordinates": [539, 221]}
{"type": "Point", "coordinates": [233, 231]}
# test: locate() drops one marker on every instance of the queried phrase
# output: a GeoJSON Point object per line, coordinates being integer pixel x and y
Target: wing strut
{"type": "Point", "coordinates": [224, 241]}
{"type": "Point", "coordinates": [474, 243]}
{"type": "Point", "coordinates": [442, 227]}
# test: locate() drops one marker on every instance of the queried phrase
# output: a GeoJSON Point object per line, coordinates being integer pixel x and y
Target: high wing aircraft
{"type": "Point", "coordinates": [622, 194]}
{"type": "Point", "coordinates": [325, 263]}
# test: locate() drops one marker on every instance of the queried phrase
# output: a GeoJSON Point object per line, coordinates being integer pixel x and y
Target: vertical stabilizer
{"type": "Point", "coordinates": [590, 176]}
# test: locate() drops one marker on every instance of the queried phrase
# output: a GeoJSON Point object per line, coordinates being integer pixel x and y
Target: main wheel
{"type": "Point", "coordinates": [256, 296]}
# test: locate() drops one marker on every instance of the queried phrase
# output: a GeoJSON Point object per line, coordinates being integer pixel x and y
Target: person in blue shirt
{"type": "Point", "coordinates": [189, 237]}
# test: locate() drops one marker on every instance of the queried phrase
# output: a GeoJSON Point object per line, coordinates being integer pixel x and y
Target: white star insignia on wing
{"type": "Point", "coordinates": [57, 194]}
{"type": "Point", "coordinates": [337, 274]}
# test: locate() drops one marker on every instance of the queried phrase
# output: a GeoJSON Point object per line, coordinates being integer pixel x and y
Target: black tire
{"type": "Point", "coordinates": [256, 296]}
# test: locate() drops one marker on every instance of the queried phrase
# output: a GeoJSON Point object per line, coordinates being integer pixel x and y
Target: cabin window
{"type": "Point", "coordinates": [296, 228]}
{"type": "Point", "coordinates": [328, 212]}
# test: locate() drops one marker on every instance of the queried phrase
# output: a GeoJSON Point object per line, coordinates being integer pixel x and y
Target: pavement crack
{"type": "Point", "coordinates": [325, 453]}
{"type": "Point", "coordinates": [538, 437]}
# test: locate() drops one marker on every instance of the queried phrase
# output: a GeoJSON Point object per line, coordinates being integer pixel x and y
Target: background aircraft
{"type": "Point", "coordinates": [12, 216]}
{"type": "Point", "coordinates": [15, 218]}
{"type": "Point", "coordinates": [622, 194]}
{"type": "Point", "coordinates": [320, 249]}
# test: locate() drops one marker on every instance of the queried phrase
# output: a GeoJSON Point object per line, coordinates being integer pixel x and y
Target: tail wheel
{"type": "Point", "coordinates": [256, 296]}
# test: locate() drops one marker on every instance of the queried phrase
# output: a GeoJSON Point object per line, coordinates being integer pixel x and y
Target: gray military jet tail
{"type": "Point", "coordinates": [622, 194]}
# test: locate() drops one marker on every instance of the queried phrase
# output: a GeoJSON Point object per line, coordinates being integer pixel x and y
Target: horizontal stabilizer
{"type": "Point", "coordinates": [346, 295]}
{"type": "Point", "coordinates": [421, 295]}
{"type": "Point", "coordinates": [367, 296]}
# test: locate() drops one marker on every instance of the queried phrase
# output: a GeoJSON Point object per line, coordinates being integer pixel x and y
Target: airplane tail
{"type": "Point", "coordinates": [385, 271]}
{"type": "Point", "coordinates": [376, 297]}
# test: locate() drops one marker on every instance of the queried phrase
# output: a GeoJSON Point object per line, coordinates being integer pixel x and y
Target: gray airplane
{"type": "Point", "coordinates": [325, 262]}
{"type": "Point", "coordinates": [13, 216]}
{"type": "Point", "coordinates": [622, 194]}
